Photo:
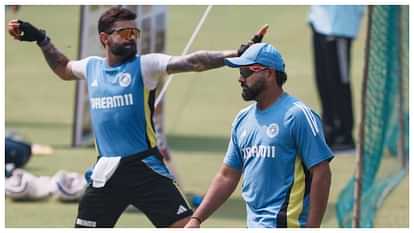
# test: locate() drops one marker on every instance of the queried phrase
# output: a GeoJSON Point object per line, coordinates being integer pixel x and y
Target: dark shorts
{"type": "Point", "coordinates": [157, 196]}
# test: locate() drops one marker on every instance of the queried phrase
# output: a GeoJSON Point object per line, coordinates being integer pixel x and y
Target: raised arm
{"type": "Point", "coordinates": [198, 61]}
{"type": "Point", "coordinates": [205, 60]}
{"type": "Point", "coordinates": [56, 60]}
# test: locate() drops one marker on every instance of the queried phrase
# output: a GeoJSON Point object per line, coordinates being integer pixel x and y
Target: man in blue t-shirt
{"type": "Point", "coordinates": [278, 146]}
{"type": "Point", "coordinates": [121, 89]}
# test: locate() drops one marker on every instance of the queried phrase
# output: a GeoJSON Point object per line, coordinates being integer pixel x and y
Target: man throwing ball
{"type": "Point", "coordinates": [121, 89]}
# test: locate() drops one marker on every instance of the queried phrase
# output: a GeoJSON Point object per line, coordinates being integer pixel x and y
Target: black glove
{"type": "Point", "coordinates": [257, 38]}
{"type": "Point", "coordinates": [31, 33]}
{"type": "Point", "coordinates": [244, 47]}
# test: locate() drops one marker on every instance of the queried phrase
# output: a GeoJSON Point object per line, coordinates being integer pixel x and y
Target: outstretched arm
{"type": "Point", "coordinates": [56, 60]}
{"type": "Point", "coordinates": [198, 61]}
{"type": "Point", "coordinates": [205, 60]}
{"type": "Point", "coordinates": [220, 189]}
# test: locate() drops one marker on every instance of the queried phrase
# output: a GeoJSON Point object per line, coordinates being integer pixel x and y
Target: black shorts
{"type": "Point", "coordinates": [157, 196]}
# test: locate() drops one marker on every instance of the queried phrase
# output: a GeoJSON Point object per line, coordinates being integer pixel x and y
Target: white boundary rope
{"type": "Point", "coordinates": [185, 51]}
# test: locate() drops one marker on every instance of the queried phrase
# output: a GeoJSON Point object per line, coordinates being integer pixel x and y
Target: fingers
{"type": "Point", "coordinates": [165, 154]}
{"type": "Point", "coordinates": [13, 29]}
{"type": "Point", "coordinates": [258, 37]}
{"type": "Point", "coordinates": [262, 31]}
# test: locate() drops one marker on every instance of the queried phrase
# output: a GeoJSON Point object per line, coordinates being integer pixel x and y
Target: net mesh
{"type": "Point", "coordinates": [386, 78]}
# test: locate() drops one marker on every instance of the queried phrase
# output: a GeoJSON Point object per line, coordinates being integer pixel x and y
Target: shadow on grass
{"type": "Point", "coordinates": [23, 202]}
{"type": "Point", "coordinates": [37, 125]}
{"type": "Point", "coordinates": [191, 143]}
{"type": "Point", "coordinates": [70, 147]}
{"type": "Point", "coordinates": [233, 208]}
{"type": "Point", "coordinates": [186, 143]}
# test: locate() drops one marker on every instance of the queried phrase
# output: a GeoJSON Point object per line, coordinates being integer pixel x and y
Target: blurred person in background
{"type": "Point", "coordinates": [334, 28]}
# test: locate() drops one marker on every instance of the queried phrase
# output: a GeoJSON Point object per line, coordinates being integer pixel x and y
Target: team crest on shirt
{"type": "Point", "coordinates": [272, 130]}
{"type": "Point", "coordinates": [124, 79]}
{"type": "Point", "coordinates": [243, 134]}
{"type": "Point", "coordinates": [94, 83]}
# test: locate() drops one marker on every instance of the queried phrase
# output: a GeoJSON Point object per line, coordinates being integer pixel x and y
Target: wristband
{"type": "Point", "coordinates": [196, 218]}
{"type": "Point", "coordinates": [43, 42]}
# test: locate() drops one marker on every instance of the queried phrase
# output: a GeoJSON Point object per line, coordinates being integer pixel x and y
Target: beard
{"type": "Point", "coordinates": [252, 92]}
{"type": "Point", "coordinates": [125, 50]}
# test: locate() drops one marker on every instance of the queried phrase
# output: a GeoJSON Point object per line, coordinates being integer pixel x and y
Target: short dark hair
{"type": "Point", "coordinates": [113, 14]}
{"type": "Point", "coordinates": [281, 78]}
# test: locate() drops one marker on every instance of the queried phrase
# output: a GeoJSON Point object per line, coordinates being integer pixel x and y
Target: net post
{"type": "Point", "coordinates": [401, 139]}
{"type": "Point", "coordinates": [356, 218]}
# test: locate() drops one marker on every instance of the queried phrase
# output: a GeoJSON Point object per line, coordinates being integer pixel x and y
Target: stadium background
{"type": "Point", "coordinates": [199, 110]}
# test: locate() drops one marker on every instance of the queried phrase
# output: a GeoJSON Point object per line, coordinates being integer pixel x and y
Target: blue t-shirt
{"type": "Point", "coordinates": [274, 149]}
{"type": "Point", "coordinates": [121, 108]}
{"type": "Point", "coordinates": [336, 20]}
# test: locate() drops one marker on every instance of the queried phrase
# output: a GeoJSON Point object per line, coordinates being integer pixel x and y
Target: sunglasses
{"type": "Point", "coordinates": [247, 71]}
{"type": "Point", "coordinates": [127, 33]}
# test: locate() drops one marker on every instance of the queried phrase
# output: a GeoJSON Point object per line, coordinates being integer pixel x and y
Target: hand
{"type": "Point", "coordinates": [14, 29]}
{"type": "Point", "coordinates": [193, 223]}
{"type": "Point", "coordinates": [25, 31]}
{"type": "Point", "coordinates": [165, 153]}
{"type": "Point", "coordinates": [257, 38]}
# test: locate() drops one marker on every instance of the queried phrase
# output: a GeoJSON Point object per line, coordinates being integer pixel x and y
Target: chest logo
{"type": "Point", "coordinates": [272, 130]}
{"type": "Point", "coordinates": [124, 79]}
{"type": "Point", "coordinates": [243, 134]}
{"type": "Point", "coordinates": [94, 83]}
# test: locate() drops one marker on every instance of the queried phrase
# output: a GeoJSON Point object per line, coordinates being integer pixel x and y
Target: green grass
{"type": "Point", "coordinates": [200, 107]}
